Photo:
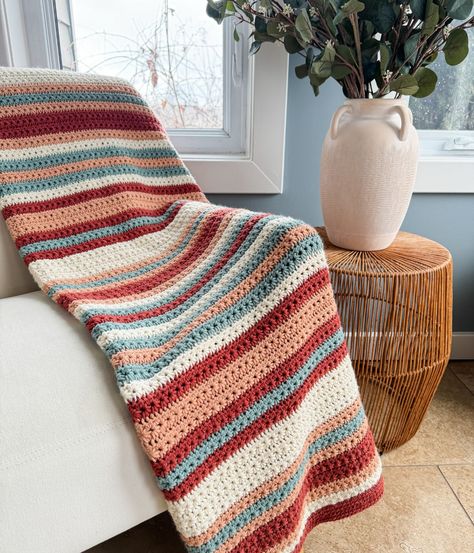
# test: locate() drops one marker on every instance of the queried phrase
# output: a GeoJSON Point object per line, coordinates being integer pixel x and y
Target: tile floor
{"type": "Point", "coordinates": [428, 505]}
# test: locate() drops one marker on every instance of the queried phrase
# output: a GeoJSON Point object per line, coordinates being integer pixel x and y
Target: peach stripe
{"type": "Point", "coordinates": [98, 86]}
{"type": "Point", "coordinates": [78, 136]}
{"type": "Point", "coordinates": [272, 485]}
{"type": "Point", "coordinates": [182, 417]}
{"type": "Point", "coordinates": [98, 208]}
{"type": "Point", "coordinates": [147, 355]}
{"type": "Point", "coordinates": [59, 107]}
{"type": "Point", "coordinates": [95, 163]}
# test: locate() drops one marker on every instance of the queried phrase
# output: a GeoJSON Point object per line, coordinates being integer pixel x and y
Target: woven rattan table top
{"type": "Point", "coordinates": [409, 254]}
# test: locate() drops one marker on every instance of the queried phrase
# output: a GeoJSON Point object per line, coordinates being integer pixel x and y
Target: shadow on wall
{"type": "Point", "coordinates": [446, 218]}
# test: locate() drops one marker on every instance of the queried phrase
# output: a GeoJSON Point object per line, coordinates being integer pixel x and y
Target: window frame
{"type": "Point", "coordinates": [29, 38]}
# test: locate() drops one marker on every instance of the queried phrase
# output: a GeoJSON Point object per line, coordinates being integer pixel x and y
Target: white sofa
{"type": "Point", "coordinates": [72, 473]}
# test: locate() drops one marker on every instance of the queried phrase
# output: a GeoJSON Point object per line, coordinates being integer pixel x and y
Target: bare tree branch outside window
{"type": "Point", "coordinates": [173, 59]}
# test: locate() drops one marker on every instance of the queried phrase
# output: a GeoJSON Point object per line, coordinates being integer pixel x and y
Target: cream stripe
{"type": "Point", "coordinates": [80, 145]}
{"type": "Point", "coordinates": [184, 278]}
{"type": "Point", "coordinates": [102, 182]}
{"type": "Point", "coordinates": [108, 258]}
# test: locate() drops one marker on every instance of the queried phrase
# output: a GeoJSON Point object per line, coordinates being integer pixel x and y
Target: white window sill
{"type": "Point", "coordinates": [445, 175]}
{"type": "Point", "coordinates": [261, 171]}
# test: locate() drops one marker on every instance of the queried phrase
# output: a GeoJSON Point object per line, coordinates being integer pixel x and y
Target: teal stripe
{"type": "Point", "coordinates": [82, 238]}
{"type": "Point", "coordinates": [47, 97]}
{"type": "Point", "coordinates": [268, 502]}
{"type": "Point", "coordinates": [220, 322]}
{"type": "Point", "coordinates": [52, 160]}
{"type": "Point", "coordinates": [79, 176]}
{"type": "Point", "coordinates": [206, 448]}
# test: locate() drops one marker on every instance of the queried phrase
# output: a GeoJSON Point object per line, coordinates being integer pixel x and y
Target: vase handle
{"type": "Point", "coordinates": [336, 118]}
{"type": "Point", "coordinates": [406, 118]}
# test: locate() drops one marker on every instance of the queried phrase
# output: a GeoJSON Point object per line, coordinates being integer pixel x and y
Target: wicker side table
{"type": "Point", "coordinates": [396, 311]}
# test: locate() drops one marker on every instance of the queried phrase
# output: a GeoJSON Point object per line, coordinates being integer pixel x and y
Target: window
{"type": "Point", "coordinates": [445, 121]}
{"type": "Point", "coordinates": [174, 54]}
{"type": "Point", "coordinates": [216, 102]}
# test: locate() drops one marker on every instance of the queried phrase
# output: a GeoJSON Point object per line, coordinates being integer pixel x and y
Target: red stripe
{"type": "Point", "coordinates": [266, 385]}
{"type": "Point", "coordinates": [105, 241]}
{"type": "Point", "coordinates": [94, 193]}
{"type": "Point", "coordinates": [35, 124]}
{"type": "Point", "coordinates": [68, 231]}
{"type": "Point", "coordinates": [159, 399]}
{"type": "Point", "coordinates": [163, 274]}
{"type": "Point", "coordinates": [284, 525]}
{"type": "Point", "coordinates": [277, 413]}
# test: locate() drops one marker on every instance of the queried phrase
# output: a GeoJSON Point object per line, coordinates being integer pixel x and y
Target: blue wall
{"type": "Point", "coordinates": [446, 218]}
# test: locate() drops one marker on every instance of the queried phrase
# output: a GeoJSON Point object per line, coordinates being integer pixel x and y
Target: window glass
{"type": "Point", "coordinates": [451, 106]}
{"type": "Point", "coordinates": [170, 50]}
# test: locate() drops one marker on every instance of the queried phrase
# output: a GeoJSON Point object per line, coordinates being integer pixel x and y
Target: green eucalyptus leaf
{"type": "Point", "coordinates": [431, 18]}
{"type": "Point", "coordinates": [349, 8]}
{"type": "Point", "coordinates": [339, 71]}
{"type": "Point", "coordinates": [236, 35]}
{"type": "Point", "coordinates": [418, 7]}
{"type": "Point", "coordinates": [301, 71]}
{"type": "Point", "coordinates": [316, 80]}
{"type": "Point", "coordinates": [426, 79]}
{"type": "Point", "coordinates": [459, 9]}
{"type": "Point", "coordinates": [370, 70]}
{"type": "Point", "coordinates": [385, 54]}
{"type": "Point", "coordinates": [260, 25]}
{"type": "Point", "coordinates": [303, 26]}
{"type": "Point", "coordinates": [349, 54]}
{"type": "Point", "coordinates": [216, 9]}
{"type": "Point", "coordinates": [381, 13]}
{"type": "Point", "coordinates": [370, 49]}
{"type": "Point", "coordinates": [274, 28]}
{"type": "Point", "coordinates": [254, 48]}
{"type": "Point", "coordinates": [292, 46]}
{"type": "Point", "coordinates": [263, 37]}
{"type": "Point", "coordinates": [405, 84]}
{"type": "Point", "coordinates": [457, 47]}
{"type": "Point", "coordinates": [430, 59]}
{"type": "Point", "coordinates": [410, 45]}
{"type": "Point", "coordinates": [322, 66]}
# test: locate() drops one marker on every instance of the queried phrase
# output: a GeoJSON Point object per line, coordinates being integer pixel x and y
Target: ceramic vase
{"type": "Point", "coordinates": [368, 170]}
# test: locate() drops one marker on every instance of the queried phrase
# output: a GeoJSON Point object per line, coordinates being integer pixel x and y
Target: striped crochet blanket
{"type": "Point", "coordinates": [220, 324]}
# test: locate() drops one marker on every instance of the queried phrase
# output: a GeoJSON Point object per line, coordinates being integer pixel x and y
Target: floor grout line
{"type": "Point", "coordinates": [463, 383]}
{"type": "Point", "coordinates": [442, 464]}
{"type": "Point", "coordinates": [455, 495]}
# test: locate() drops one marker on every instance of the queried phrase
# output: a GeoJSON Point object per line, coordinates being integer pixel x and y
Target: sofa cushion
{"type": "Point", "coordinates": [14, 276]}
{"type": "Point", "coordinates": [72, 473]}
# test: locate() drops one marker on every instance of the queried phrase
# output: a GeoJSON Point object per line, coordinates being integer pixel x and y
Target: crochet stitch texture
{"type": "Point", "coordinates": [220, 324]}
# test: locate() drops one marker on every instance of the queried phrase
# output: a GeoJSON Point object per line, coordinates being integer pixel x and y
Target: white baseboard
{"type": "Point", "coordinates": [462, 345]}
